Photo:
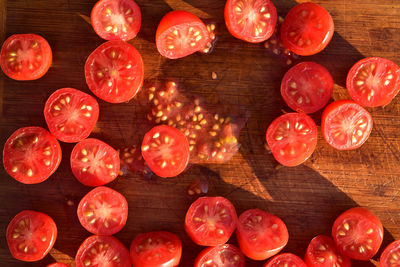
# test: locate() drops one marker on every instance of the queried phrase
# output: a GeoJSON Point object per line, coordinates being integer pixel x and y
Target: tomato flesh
{"type": "Point", "coordinates": [322, 252]}
{"type": "Point", "coordinates": [285, 259]}
{"type": "Point", "coordinates": [391, 255]}
{"type": "Point", "coordinates": [225, 255]}
{"type": "Point", "coordinates": [58, 264]}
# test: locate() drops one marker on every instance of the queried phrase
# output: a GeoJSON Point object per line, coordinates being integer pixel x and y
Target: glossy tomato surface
{"type": "Point", "coordinates": [225, 255]}
{"type": "Point", "coordinates": [114, 71]}
{"type": "Point", "coordinates": [58, 264]}
{"type": "Point", "coordinates": [292, 138]}
{"type": "Point", "coordinates": [285, 259]}
{"type": "Point", "coordinates": [116, 19]}
{"type": "Point", "coordinates": [307, 29]}
{"type": "Point", "coordinates": [391, 255]}
{"type": "Point", "coordinates": [25, 57]}
{"type": "Point", "coordinates": [156, 249]}
{"type": "Point", "coordinates": [358, 233]}
{"type": "Point", "coordinates": [31, 235]}
{"type": "Point", "coordinates": [345, 125]}
{"type": "Point", "coordinates": [94, 163]}
{"type": "Point", "coordinates": [373, 81]}
{"type": "Point", "coordinates": [180, 34]}
{"type": "Point", "coordinates": [71, 114]}
{"type": "Point", "coordinates": [210, 221]}
{"type": "Point", "coordinates": [249, 20]}
{"type": "Point", "coordinates": [31, 155]}
{"type": "Point", "coordinates": [103, 211]}
{"type": "Point", "coordinates": [322, 252]}
{"type": "Point", "coordinates": [307, 87]}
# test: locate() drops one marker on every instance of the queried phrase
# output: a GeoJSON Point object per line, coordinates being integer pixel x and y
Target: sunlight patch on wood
{"type": "Point", "coordinates": [60, 256]}
{"type": "Point", "coordinates": [182, 5]}
{"type": "Point", "coordinates": [85, 18]}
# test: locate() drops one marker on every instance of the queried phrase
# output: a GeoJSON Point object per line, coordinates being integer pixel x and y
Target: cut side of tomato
{"type": "Point", "coordinates": [180, 34]}
{"type": "Point", "coordinates": [292, 138]}
{"type": "Point", "coordinates": [322, 252]}
{"type": "Point", "coordinates": [345, 125]}
{"type": "Point", "coordinates": [31, 235]}
{"type": "Point", "coordinates": [373, 81]}
{"type": "Point", "coordinates": [358, 233]}
{"type": "Point", "coordinates": [103, 211]}
{"type": "Point", "coordinates": [114, 71]}
{"type": "Point", "coordinates": [285, 259]}
{"type": "Point", "coordinates": [252, 21]}
{"type": "Point", "coordinates": [210, 221]}
{"type": "Point", "coordinates": [156, 249]}
{"type": "Point", "coordinates": [94, 163]}
{"type": "Point", "coordinates": [225, 255]}
{"type": "Point", "coordinates": [58, 264]}
{"type": "Point", "coordinates": [391, 255]}
{"type": "Point", "coordinates": [71, 114]}
{"type": "Point", "coordinates": [307, 87]}
{"type": "Point", "coordinates": [31, 155]}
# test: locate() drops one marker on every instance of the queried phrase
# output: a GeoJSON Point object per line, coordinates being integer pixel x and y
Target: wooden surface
{"type": "Point", "coordinates": [307, 198]}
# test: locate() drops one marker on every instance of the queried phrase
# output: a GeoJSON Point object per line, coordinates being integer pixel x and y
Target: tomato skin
{"type": "Point", "coordinates": [322, 252]}
{"type": "Point", "coordinates": [291, 259]}
{"type": "Point", "coordinates": [58, 264]}
{"type": "Point", "coordinates": [391, 255]}
{"type": "Point", "coordinates": [219, 255]}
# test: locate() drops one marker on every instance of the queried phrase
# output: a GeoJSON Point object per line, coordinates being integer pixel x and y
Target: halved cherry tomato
{"type": "Point", "coordinates": [71, 114]}
{"type": "Point", "coordinates": [292, 138]}
{"type": "Point", "coordinates": [307, 29]}
{"type": "Point", "coordinates": [98, 251]}
{"type": "Point", "coordinates": [103, 211]}
{"type": "Point", "coordinates": [180, 34]}
{"type": "Point", "coordinates": [358, 233]}
{"type": "Point", "coordinates": [225, 255]}
{"type": "Point", "coordinates": [94, 163]}
{"type": "Point", "coordinates": [285, 259]}
{"type": "Point", "coordinates": [373, 81]}
{"type": "Point", "coordinates": [116, 19]}
{"type": "Point", "coordinates": [31, 235]}
{"type": "Point", "coordinates": [156, 249]}
{"type": "Point", "coordinates": [345, 124]}
{"type": "Point", "coordinates": [261, 234]}
{"type": "Point", "coordinates": [166, 151]}
{"type": "Point", "coordinates": [210, 221]}
{"type": "Point", "coordinates": [391, 255]}
{"type": "Point", "coordinates": [58, 264]}
{"type": "Point", "coordinates": [31, 155]}
{"type": "Point", "coordinates": [307, 87]}
{"type": "Point", "coordinates": [250, 21]}
{"type": "Point", "coordinates": [322, 252]}
{"type": "Point", "coordinates": [114, 71]}
{"type": "Point", "coordinates": [25, 57]}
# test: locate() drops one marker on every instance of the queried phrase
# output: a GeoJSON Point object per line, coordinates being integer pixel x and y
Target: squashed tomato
{"type": "Point", "coordinates": [31, 235]}
{"type": "Point", "coordinates": [58, 264]}
{"type": "Point", "coordinates": [322, 252]}
{"type": "Point", "coordinates": [391, 255]}
{"type": "Point", "coordinates": [285, 259]}
{"type": "Point", "coordinates": [225, 255]}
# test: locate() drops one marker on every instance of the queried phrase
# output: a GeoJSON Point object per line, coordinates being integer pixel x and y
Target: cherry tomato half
{"type": "Point", "coordinates": [31, 235]}
{"type": "Point", "coordinates": [31, 155]}
{"type": "Point", "coordinates": [292, 138]}
{"type": "Point", "coordinates": [25, 57]}
{"type": "Point", "coordinates": [58, 264]}
{"type": "Point", "coordinates": [345, 125]}
{"type": "Point", "coordinates": [94, 163]}
{"type": "Point", "coordinates": [116, 19]}
{"type": "Point", "coordinates": [225, 255]}
{"type": "Point", "coordinates": [307, 29]}
{"type": "Point", "coordinates": [114, 71]}
{"type": "Point", "coordinates": [103, 211]}
{"type": "Point", "coordinates": [156, 249]}
{"type": "Point", "coordinates": [210, 221]}
{"type": "Point", "coordinates": [373, 81]}
{"type": "Point", "coordinates": [391, 255]}
{"type": "Point", "coordinates": [322, 252]}
{"type": "Point", "coordinates": [358, 233]}
{"type": "Point", "coordinates": [71, 114]}
{"type": "Point", "coordinates": [251, 21]}
{"type": "Point", "coordinates": [285, 259]}
{"type": "Point", "coordinates": [307, 87]}
{"type": "Point", "coordinates": [180, 34]}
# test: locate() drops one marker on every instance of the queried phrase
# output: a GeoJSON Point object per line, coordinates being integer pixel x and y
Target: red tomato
{"type": "Point", "coordinates": [210, 221]}
{"type": "Point", "coordinates": [345, 125]}
{"type": "Point", "coordinates": [166, 151]}
{"type": "Point", "coordinates": [307, 29]}
{"type": "Point", "coordinates": [71, 114]}
{"type": "Point", "coordinates": [114, 71]}
{"type": "Point", "coordinates": [94, 163]}
{"type": "Point", "coordinates": [322, 252]}
{"type": "Point", "coordinates": [292, 138]}
{"type": "Point", "coordinates": [25, 57]}
{"type": "Point", "coordinates": [31, 235]}
{"type": "Point", "coordinates": [261, 234]}
{"type": "Point", "coordinates": [31, 155]}
{"type": "Point", "coordinates": [225, 255]}
{"type": "Point", "coordinates": [98, 251]}
{"type": "Point", "coordinates": [358, 233]}
{"type": "Point", "coordinates": [58, 264]}
{"type": "Point", "coordinates": [373, 81]}
{"type": "Point", "coordinates": [250, 21]}
{"type": "Point", "coordinates": [391, 255]}
{"type": "Point", "coordinates": [307, 87]}
{"type": "Point", "coordinates": [156, 249]}
{"type": "Point", "coordinates": [285, 259]}
{"type": "Point", "coordinates": [180, 34]}
{"type": "Point", "coordinates": [116, 19]}
{"type": "Point", "coordinates": [103, 211]}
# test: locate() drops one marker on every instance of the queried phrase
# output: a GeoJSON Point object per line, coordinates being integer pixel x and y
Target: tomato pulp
{"type": "Point", "coordinates": [221, 255]}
